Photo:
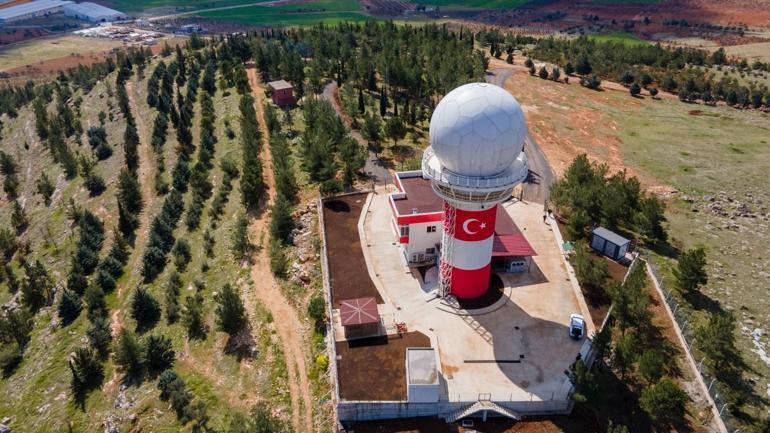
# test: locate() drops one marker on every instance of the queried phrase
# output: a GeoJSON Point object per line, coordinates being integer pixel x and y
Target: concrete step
{"type": "Point", "coordinates": [482, 405]}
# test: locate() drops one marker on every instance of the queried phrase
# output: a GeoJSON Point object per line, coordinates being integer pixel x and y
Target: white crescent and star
{"type": "Point", "coordinates": [467, 222]}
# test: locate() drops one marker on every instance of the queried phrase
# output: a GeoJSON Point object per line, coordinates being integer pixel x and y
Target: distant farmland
{"type": "Point", "coordinates": [321, 11]}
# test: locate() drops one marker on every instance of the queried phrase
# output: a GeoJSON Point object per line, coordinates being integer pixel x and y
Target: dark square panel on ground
{"type": "Point", "coordinates": [347, 267]}
{"type": "Point", "coordinates": [375, 368]}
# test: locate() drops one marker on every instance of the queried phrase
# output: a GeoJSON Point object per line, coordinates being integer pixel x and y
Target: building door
{"type": "Point", "coordinates": [610, 249]}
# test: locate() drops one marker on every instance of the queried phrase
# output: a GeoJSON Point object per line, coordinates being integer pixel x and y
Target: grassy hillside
{"type": "Point", "coordinates": [711, 165]}
{"type": "Point", "coordinates": [37, 393]}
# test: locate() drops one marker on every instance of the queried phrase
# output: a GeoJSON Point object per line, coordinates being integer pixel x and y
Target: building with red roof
{"type": "Point", "coordinates": [417, 221]}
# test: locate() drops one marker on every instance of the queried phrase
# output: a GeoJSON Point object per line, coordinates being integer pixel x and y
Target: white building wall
{"type": "Point", "coordinates": [420, 239]}
{"type": "Point", "coordinates": [422, 393]}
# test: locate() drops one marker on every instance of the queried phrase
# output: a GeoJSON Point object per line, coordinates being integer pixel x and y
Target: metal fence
{"type": "Point", "coordinates": [681, 317]}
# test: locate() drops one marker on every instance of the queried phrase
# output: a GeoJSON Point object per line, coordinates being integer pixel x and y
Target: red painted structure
{"type": "Point", "coordinates": [471, 264]}
{"type": "Point", "coordinates": [416, 207]}
{"type": "Point", "coordinates": [282, 93]}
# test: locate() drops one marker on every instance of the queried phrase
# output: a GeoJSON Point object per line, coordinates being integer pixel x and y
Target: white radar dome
{"type": "Point", "coordinates": [477, 129]}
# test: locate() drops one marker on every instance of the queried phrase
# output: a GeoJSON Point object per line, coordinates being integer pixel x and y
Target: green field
{"type": "Point", "coordinates": [133, 6]}
{"type": "Point", "coordinates": [475, 4]}
{"type": "Point", "coordinates": [321, 11]}
{"type": "Point", "coordinates": [619, 37]}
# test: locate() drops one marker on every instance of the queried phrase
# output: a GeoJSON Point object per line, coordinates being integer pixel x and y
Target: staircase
{"type": "Point", "coordinates": [481, 405]}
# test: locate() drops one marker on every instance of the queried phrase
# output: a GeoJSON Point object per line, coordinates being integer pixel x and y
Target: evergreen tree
{"type": "Point", "coordinates": [716, 339]}
{"type": "Point", "coordinates": [173, 287]}
{"type": "Point", "coordinates": [664, 401]}
{"type": "Point", "coordinates": [159, 354]}
{"type": "Point", "coordinates": [252, 183]}
{"type": "Point", "coordinates": [87, 371]}
{"type": "Point", "coordinates": [37, 287]}
{"type": "Point", "coordinates": [129, 354]}
{"type": "Point", "coordinates": [240, 237]}
{"type": "Point", "coordinates": [690, 270]}
{"type": "Point", "coordinates": [69, 307]}
{"type": "Point", "coordinates": [19, 219]}
{"type": "Point", "coordinates": [100, 336]}
{"type": "Point", "coordinates": [192, 315]}
{"type": "Point", "coordinates": [45, 188]}
{"type": "Point", "coordinates": [96, 306]}
{"type": "Point", "coordinates": [649, 221]}
{"type": "Point", "coordinates": [144, 309]}
{"type": "Point", "coordinates": [231, 314]}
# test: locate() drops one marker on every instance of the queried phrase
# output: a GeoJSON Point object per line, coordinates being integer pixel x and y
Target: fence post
{"type": "Point", "coordinates": [723, 408]}
{"type": "Point", "coordinates": [712, 383]}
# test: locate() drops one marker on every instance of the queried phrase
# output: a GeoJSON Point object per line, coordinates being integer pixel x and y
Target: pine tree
{"type": "Point", "coordinates": [129, 354]}
{"type": "Point", "coordinates": [690, 270]}
{"type": "Point", "coordinates": [37, 287]}
{"type": "Point", "coordinates": [100, 336]}
{"type": "Point", "coordinates": [96, 306]}
{"type": "Point", "coordinates": [240, 237]}
{"type": "Point", "coordinates": [173, 287]}
{"type": "Point", "coordinates": [45, 188]}
{"type": "Point", "coordinates": [231, 314]}
{"type": "Point", "coordinates": [159, 354]}
{"type": "Point", "coordinates": [281, 223]}
{"type": "Point", "coordinates": [87, 371]}
{"type": "Point", "coordinates": [19, 219]}
{"type": "Point", "coordinates": [69, 307]}
{"type": "Point", "coordinates": [192, 315]}
{"type": "Point", "coordinates": [145, 309]}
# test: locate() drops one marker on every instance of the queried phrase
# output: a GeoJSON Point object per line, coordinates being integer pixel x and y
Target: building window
{"type": "Point", "coordinates": [404, 230]}
{"type": "Point", "coordinates": [431, 229]}
{"type": "Point", "coordinates": [430, 251]}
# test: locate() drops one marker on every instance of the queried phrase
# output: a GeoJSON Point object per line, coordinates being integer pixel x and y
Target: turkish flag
{"type": "Point", "coordinates": [472, 225]}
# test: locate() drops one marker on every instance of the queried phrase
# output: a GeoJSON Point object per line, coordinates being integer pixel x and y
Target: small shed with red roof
{"type": "Point", "coordinates": [360, 318]}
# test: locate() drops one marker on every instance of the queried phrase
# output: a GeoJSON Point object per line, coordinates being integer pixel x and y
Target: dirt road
{"type": "Point", "coordinates": [541, 176]}
{"type": "Point", "coordinates": [265, 288]}
{"type": "Point", "coordinates": [374, 167]}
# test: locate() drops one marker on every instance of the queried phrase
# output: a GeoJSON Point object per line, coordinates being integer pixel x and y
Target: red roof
{"type": "Point", "coordinates": [512, 245]}
{"type": "Point", "coordinates": [509, 240]}
{"type": "Point", "coordinates": [359, 311]}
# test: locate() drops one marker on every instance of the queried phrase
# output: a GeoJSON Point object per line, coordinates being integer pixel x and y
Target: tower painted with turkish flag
{"type": "Point", "coordinates": [475, 159]}
{"type": "Point", "coordinates": [473, 233]}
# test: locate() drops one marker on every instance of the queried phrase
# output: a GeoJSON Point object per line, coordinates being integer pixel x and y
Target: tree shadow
{"type": "Point", "coordinates": [664, 249]}
{"type": "Point", "coordinates": [702, 302]}
{"type": "Point", "coordinates": [241, 344]}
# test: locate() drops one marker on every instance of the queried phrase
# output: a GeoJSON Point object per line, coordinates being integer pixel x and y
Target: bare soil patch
{"type": "Point", "coordinates": [375, 368]}
{"type": "Point", "coordinates": [347, 267]}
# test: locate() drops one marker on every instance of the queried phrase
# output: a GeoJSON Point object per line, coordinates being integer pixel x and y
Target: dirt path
{"type": "Point", "coordinates": [144, 173]}
{"type": "Point", "coordinates": [265, 289]}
